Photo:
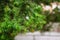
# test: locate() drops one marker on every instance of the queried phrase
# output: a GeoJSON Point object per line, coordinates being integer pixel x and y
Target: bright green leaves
{"type": "Point", "coordinates": [35, 22]}
{"type": "Point", "coordinates": [21, 16]}
{"type": "Point", "coordinates": [38, 9]}
{"type": "Point", "coordinates": [15, 11]}
{"type": "Point", "coordinates": [17, 3]}
{"type": "Point", "coordinates": [10, 28]}
{"type": "Point", "coordinates": [7, 9]}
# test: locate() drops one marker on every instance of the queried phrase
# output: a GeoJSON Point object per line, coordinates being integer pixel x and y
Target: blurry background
{"type": "Point", "coordinates": [21, 16]}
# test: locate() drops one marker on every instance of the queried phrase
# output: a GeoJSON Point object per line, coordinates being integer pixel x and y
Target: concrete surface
{"type": "Point", "coordinates": [39, 36]}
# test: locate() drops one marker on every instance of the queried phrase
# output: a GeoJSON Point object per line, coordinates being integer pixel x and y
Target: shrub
{"type": "Point", "coordinates": [19, 16]}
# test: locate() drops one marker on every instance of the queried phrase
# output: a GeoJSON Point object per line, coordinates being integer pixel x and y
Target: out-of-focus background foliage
{"type": "Point", "coordinates": [20, 16]}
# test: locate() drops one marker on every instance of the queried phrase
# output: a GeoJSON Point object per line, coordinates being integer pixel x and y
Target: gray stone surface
{"type": "Point", "coordinates": [38, 36]}
{"type": "Point", "coordinates": [47, 38]}
{"type": "Point", "coordinates": [23, 37]}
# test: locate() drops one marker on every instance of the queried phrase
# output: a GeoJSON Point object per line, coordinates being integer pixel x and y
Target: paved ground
{"type": "Point", "coordinates": [39, 36]}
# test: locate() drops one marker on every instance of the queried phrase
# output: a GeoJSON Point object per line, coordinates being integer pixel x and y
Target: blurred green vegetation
{"type": "Point", "coordinates": [19, 16]}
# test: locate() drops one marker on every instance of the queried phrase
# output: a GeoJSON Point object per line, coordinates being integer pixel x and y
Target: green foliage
{"type": "Point", "coordinates": [57, 15]}
{"type": "Point", "coordinates": [54, 17]}
{"type": "Point", "coordinates": [23, 16]}
{"type": "Point", "coordinates": [45, 1]}
{"type": "Point", "coordinates": [20, 16]}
